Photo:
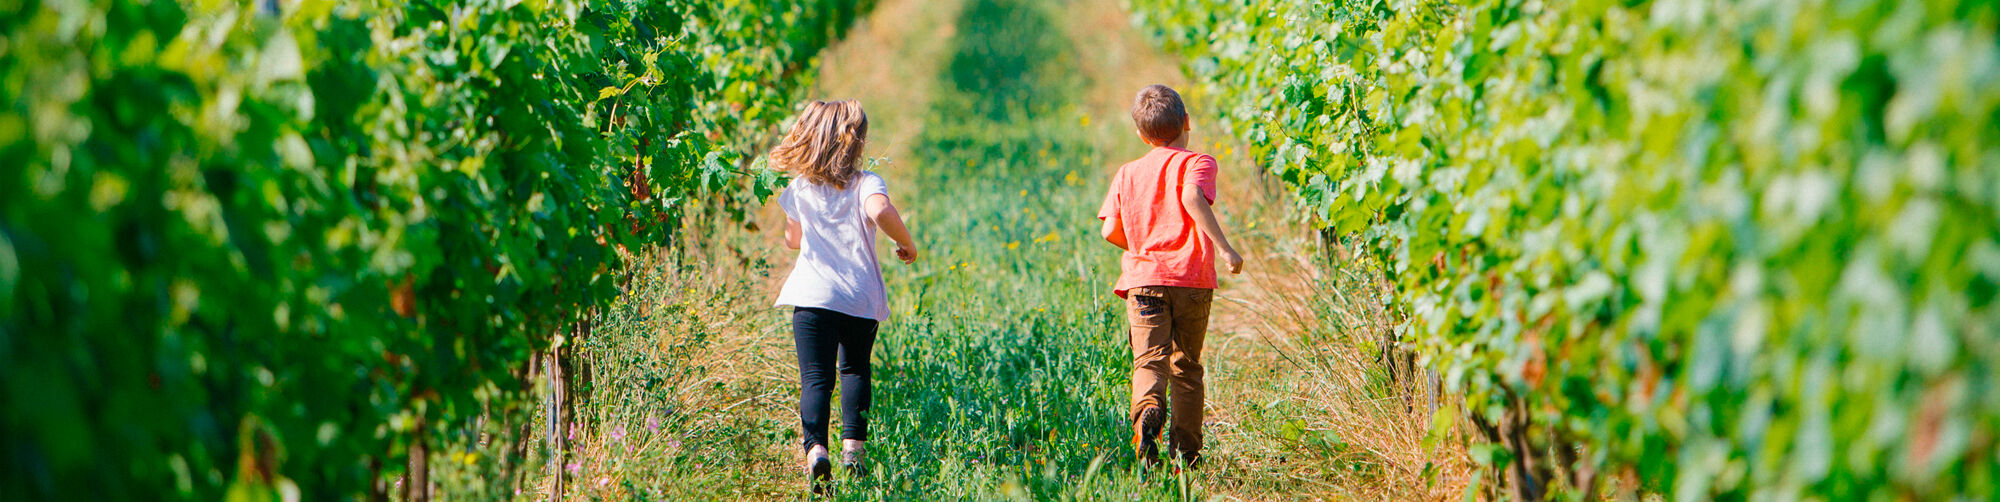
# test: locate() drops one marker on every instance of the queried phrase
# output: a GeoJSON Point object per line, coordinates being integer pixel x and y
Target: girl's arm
{"type": "Point", "coordinates": [1204, 219]}
{"type": "Point", "coordinates": [891, 222]}
{"type": "Point", "coordinates": [792, 233]}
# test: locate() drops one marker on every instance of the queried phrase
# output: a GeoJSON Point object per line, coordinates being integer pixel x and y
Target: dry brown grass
{"type": "Point", "coordinates": [1302, 346]}
{"type": "Point", "coordinates": [691, 373]}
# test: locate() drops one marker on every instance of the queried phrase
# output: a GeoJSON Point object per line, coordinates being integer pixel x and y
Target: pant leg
{"type": "Point", "coordinates": [814, 331]}
{"type": "Point", "coordinates": [1152, 340]}
{"type": "Point", "coordinates": [1190, 307]}
{"type": "Point", "coordinates": [856, 387]}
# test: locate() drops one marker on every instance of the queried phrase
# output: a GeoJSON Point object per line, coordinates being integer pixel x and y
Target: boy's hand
{"type": "Point", "coordinates": [1196, 206]}
{"type": "Point", "coordinates": [907, 254]}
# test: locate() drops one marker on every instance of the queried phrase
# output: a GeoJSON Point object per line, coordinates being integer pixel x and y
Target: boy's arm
{"type": "Point", "coordinates": [1114, 232]}
{"type": "Point", "coordinates": [1204, 219]}
{"type": "Point", "coordinates": [792, 233]}
{"type": "Point", "coordinates": [891, 222]}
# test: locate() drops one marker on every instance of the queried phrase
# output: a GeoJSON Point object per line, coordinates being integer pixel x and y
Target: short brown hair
{"type": "Point", "coordinates": [1158, 112]}
{"type": "Point", "coordinates": [825, 144]}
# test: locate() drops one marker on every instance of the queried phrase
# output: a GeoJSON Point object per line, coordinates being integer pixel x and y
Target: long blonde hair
{"type": "Point", "coordinates": [824, 146]}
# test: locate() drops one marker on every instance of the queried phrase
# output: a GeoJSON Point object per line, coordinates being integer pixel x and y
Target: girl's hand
{"type": "Point", "coordinates": [907, 254]}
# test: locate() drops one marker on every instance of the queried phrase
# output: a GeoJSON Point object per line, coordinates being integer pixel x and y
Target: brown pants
{"type": "Point", "coordinates": [1168, 325]}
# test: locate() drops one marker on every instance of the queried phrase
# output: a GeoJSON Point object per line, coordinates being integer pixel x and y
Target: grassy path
{"type": "Point", "coordinates": [1003, 373]}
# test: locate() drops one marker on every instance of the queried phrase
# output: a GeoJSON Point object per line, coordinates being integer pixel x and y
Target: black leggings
{"type": "Point", "coordinates": [822, 335]}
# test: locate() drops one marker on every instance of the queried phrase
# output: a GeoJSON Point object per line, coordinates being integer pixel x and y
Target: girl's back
{"type": "Point", "coordinates": [836, 269]}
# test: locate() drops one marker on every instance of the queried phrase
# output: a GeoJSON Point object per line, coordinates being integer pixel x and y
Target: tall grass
{"type": "Point", "coordinates": [1336, 406]}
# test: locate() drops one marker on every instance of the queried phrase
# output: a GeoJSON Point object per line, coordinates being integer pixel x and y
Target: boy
{"type": "Point", "coordinates": [1158, 211]}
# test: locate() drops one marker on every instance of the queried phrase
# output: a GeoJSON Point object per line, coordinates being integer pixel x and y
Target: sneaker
{"type": "Point", "coordinates": [852, 461]}
{"type": "Point", "coordinates": [819, 470]}
{"type": "Point", "coordinates": [1146, 437]}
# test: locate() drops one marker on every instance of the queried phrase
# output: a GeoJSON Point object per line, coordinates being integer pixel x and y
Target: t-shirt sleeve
{"type": "Point", "coordinates": [1111, 197]}
{"type": "Point", "coordinates": [1201, 173]}
{"type": "Point", "coordinates": [786, 203]}
{"type": "Point", "coordinates": [871, 184]}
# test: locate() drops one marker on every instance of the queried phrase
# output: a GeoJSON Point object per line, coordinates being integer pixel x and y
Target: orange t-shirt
{"type": "Point", "coordinates": [1163, 246]}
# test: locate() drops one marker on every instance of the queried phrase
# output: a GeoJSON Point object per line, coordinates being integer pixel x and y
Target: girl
{"type": "Point", "coordinates": [832, 210]}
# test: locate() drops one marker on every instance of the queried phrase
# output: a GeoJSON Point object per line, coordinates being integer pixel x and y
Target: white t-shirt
{"type": "Point", "coordinates": [836, 269]}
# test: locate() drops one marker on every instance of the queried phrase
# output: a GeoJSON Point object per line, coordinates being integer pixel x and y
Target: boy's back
{"type": "Point", "coordinates": [1164, 247]}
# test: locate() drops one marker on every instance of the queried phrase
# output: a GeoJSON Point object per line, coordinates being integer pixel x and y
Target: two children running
{"type": "Point", "coordinates": [1157, 210]}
